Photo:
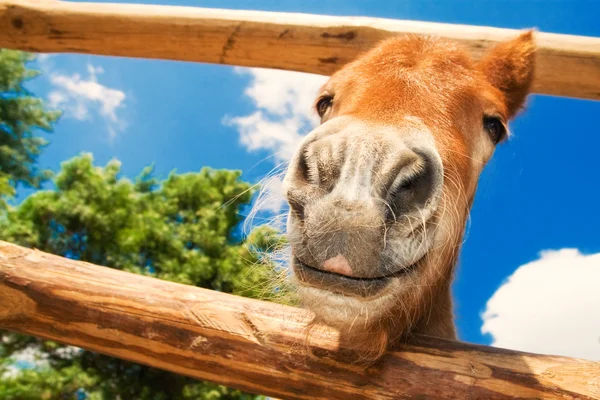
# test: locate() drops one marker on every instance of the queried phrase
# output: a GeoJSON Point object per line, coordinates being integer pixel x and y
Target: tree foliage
{"type": "Point", "coordinates": [22, 116]}
{"type": "Point", "coordinates": [180, 229]}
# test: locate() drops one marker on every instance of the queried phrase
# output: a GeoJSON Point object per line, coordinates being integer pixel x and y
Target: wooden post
{"type": "Point", "coordinates": [256, 346]}
{"type": "Point", "coordinates": [566, 66]}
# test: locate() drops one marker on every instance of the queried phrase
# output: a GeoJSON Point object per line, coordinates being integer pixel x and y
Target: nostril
{"type": "Point", "coordinates": [413, 189]}
{"type": "Point", "coordinates": [408, 184]}
{"type": "Point", "coordinates": [402, 199]}
{"type": "Point", "coordinates": [318, 164]}
{"type": "Point", "coordinates": [400, 167]}
{"type": "Point", "coordinates": [303, 171]}
{"type": "Point", "coordinates": [296, 204]}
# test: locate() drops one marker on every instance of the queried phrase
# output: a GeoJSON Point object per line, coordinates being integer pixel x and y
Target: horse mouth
{"type": "Point", "coordinates": [346, 285]}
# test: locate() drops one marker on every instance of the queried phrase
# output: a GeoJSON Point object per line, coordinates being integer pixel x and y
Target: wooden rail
{"type": "Point", "coordinates": [253, 345]}
{"type": "Point", "coordinates": [567, 65]}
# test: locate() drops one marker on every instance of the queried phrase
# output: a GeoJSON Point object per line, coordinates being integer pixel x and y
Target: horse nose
{"type": "Point", "coordinates": [413, 186]}
{"type": "Point", "coordinates": [350, 194]}
{"type": "Point", "coordinates": [404, 178]}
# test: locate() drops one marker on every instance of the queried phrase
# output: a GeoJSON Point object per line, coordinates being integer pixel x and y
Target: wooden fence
{"type": "Point", "coordinates": [243, 343]}
{"type": "Point", "coordinates": [566, 65]}
{"type": "Point", "coordinates": [254, 345]}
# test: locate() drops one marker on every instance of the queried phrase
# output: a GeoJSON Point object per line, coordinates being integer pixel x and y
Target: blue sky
{"type": "Point", "coordinates": [538, 193]}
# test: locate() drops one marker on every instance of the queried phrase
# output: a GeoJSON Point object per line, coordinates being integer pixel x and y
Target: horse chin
{"type": "Point", "coordinates": [362, 323]}
{"type": "Point", "coordinates": [352, 314]}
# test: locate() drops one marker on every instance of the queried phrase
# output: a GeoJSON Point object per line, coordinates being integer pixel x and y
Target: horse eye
{"type": "Point", "coordinates": [495, 128]}
{"type": "Point", "coordinates": [323, 105]}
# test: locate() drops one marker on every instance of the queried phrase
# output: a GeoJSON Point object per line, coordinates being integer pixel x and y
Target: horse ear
{"type": "Point", "coordinates": [509, 67]}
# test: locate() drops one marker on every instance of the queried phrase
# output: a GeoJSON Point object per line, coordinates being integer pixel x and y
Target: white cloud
{"type": "Point", "coordinates": [258, 132]}
{"type": "Point", "coordinates": [271, 194]}
{"type": "Point", "coordinates": [283, 93]}
{"type": "Point", "coordinates": [283, 114]}
{"type": "Point", "coordinates": [549, 306]}
{"type": "Point", "coordinates": [80, 98]}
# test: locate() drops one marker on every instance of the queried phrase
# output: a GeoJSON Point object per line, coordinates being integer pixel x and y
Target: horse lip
{"type": "Point", "coordinates": [347, 285]}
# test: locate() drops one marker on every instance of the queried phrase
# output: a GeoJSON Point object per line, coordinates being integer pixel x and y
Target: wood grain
{"type": "Point", "coordinates": [567, 65]}
{"type": "Point", "coordinates": [256, 346]}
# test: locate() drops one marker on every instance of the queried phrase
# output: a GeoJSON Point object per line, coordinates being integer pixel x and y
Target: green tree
{"type": "Point", "coordinates": [180, 229]}
{"type": "Point", "coordinates": [22, 116]}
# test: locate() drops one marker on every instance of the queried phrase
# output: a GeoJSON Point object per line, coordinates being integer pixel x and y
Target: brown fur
{"type": "Point", "coordinates": [509, 68]}
{"type": "Point", "coordinates": [436, 81]}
